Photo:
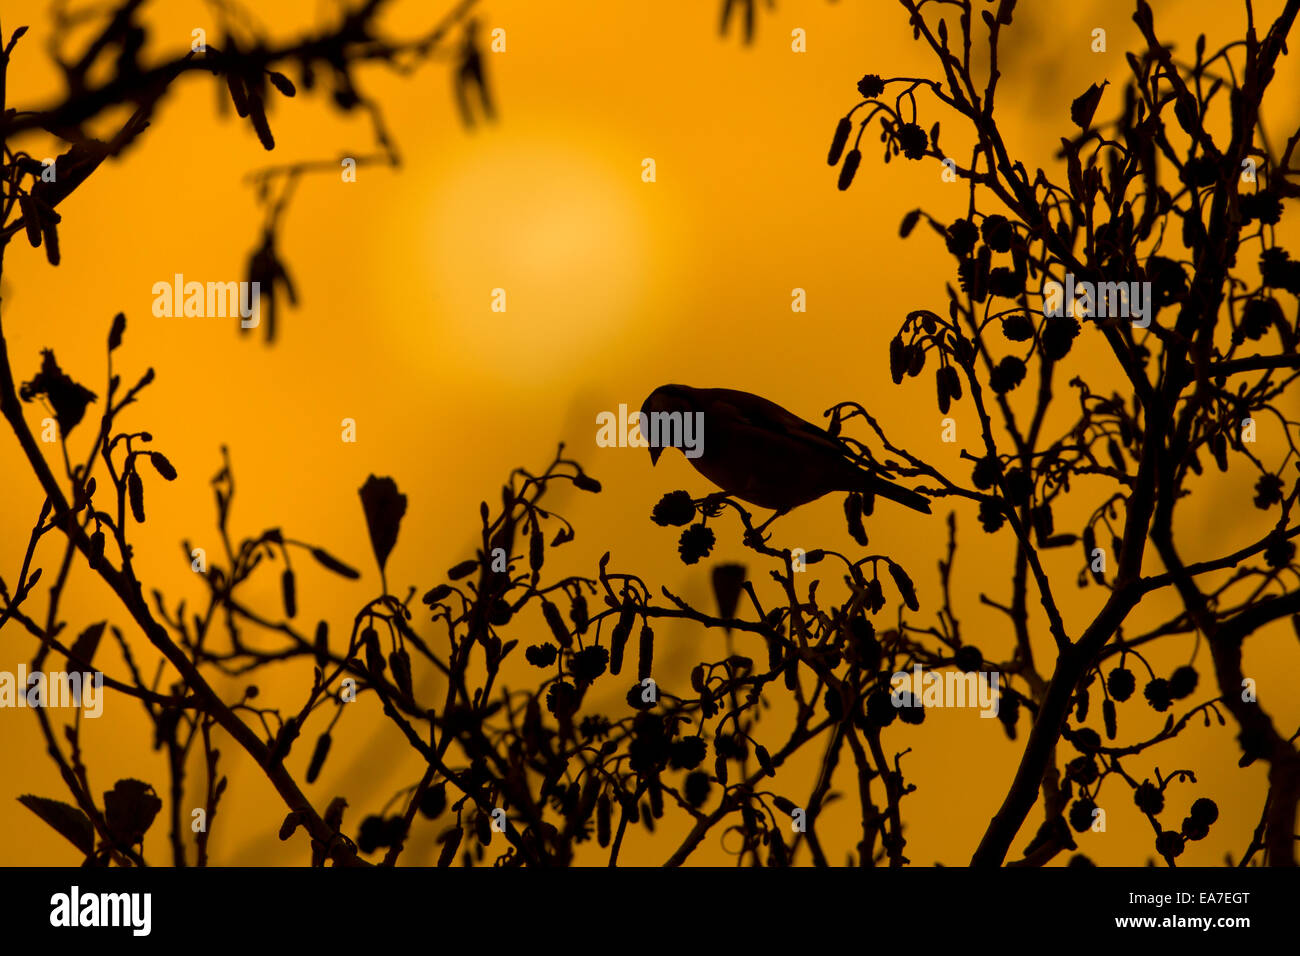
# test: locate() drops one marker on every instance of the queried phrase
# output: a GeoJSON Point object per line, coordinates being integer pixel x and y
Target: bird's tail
{"type": "Point", "coordinates": [874, 484]}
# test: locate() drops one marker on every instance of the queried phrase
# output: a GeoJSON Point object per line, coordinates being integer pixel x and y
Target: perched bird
{"type": "Point", "coordinates": [755, 450]}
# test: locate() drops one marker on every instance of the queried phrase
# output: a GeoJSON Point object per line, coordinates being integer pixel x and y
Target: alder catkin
{"type": "Point", "coordinates": [841, 138]}
{"type": "Point", "coordinates": [849, 169]}
{"type": "Point", "coordinates": [647, 652]}
{"type": "Point", "coordinates": [618, 640]}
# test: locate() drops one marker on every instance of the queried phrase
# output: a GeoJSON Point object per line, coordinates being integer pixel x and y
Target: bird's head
{"type": "Point", "coordinates": [666, 398]}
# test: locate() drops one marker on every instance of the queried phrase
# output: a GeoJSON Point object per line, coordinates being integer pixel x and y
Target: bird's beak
{"type": "Point", "coordinates": [646, 408]}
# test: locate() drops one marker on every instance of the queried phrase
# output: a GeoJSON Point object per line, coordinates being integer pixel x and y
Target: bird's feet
{"type": "Point", "coordinates": [754, 537]}
{"type": "Point", "coordinates": [711, 504]}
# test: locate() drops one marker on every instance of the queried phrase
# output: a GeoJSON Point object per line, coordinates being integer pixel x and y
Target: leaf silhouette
{"type": "Point", "coordinates": [66, 397]}
{"type": "Point", "coordinates": [727, 582]}
{"type": "Point", "coordinates": [84, 647]}
{"type": "Point", "coordinates": [1083, 108]}
{"type": "Point", "coordinates": [71, 823]}
{"type": "Point", "coordinates": [384, 508]}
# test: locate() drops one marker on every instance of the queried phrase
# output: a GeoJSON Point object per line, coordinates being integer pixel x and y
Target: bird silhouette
{"type": "Point", "coordinates": [755, 450]}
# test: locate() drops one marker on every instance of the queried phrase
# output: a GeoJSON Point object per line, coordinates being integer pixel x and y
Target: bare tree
{"type": "Point", "coordinates": [1195, 392]}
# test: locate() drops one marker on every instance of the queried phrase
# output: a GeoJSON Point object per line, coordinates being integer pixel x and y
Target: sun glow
{"type": "Point", "coordinates": [542, 246]}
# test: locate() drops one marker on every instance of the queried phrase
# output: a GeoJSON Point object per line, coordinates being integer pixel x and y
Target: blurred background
{"type": "Point", "coordinates": [614, 286]}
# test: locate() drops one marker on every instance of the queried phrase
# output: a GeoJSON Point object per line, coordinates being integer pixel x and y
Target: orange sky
{"type": "Point", "coordinates": [614, 286]}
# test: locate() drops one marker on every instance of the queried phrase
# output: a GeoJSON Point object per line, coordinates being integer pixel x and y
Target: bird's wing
{"type": "Point", "coordinates": [760, 413]}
